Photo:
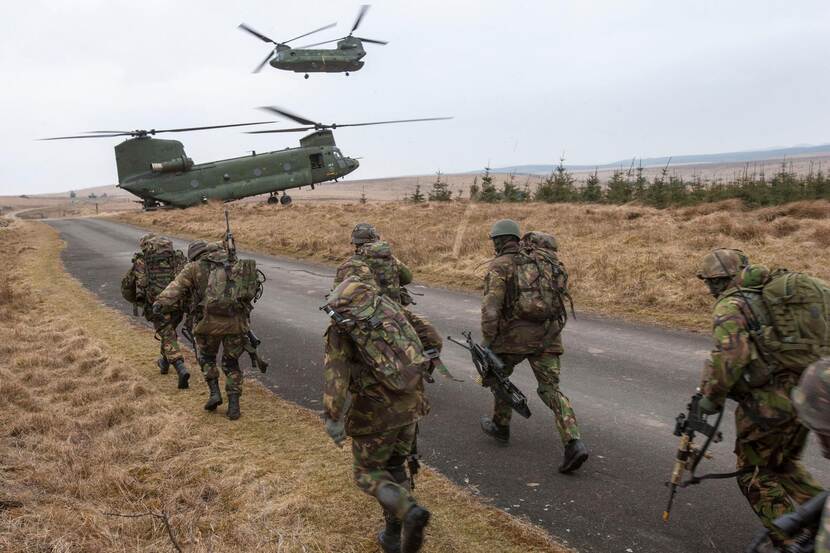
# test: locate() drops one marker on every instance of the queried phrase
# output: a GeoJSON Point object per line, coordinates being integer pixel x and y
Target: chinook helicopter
{"type": "Point", "coordinates": [346, 57]}
{"type": "Point", "coordinates": [159, 172]}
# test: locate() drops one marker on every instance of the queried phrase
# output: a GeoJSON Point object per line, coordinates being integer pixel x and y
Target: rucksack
{"type": "Point", "coordinates": [162, 262]}
{"type": "Point", "coordinates": [540, 285]}
{"type": "Point", "coordinates": [795, 323]}
{"type": "Point", "coordinates": [384, 338]}
{"type": "Point", "coordinates": [378, 256]}
{"type": "Point", "coordinates": [130, 290]}
{"type": "Point", "coordinates": [231, 286]}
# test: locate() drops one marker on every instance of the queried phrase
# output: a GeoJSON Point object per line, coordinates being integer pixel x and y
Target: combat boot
{"type": "Point", "coordinates": [575, 454]}
{"type": "Point", "coordinates": [164, 365]}
{"type": "Point", "coordinates": [233, 406]}
{"type": "Point", "coordinates": [215, 399]}
{"type": "Point", "coordinates": [414, 523]}
{"type": "Point", "coordinates": [389, 538]}
{"type": "Point", "coordinates": [496, 431]}
{"type": "Point", "coordinates": [184, 375]}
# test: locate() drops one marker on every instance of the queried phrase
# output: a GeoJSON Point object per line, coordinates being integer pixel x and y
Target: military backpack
{"type": "Point", "coordinates": [794, 316]}
{"type": "Point", "coordinates": [232, 285]}
{"type": "Point", "coordinates": [162, 262]}
{"type": "Point", "coordinates": [540, 285]}
{"type": "Point", "coordinates": [385, 340]}
{"type": "Point", "coordinates": [378, 256]}
{"type": "Point", "coordinates": [130, 290]}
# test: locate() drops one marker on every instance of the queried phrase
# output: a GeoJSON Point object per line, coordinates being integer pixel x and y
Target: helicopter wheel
{"type": "Point", "coordinates": [285, 199]}
{"type": "Point", "coordinates": [272, 199]}
{"type": "Point", "coordinates": [347, 73]}
{"type": "Point", "coordinates": [306, 75]}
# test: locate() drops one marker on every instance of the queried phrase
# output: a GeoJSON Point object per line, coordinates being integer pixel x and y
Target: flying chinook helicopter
{"type": "Point", "coordinates": [160, 173]}
{"type": "Point", "coordinates": [346, 57]}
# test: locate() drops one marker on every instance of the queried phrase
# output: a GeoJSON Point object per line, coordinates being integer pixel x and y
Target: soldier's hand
{"type": "Point", "coordinates": [336, 431]}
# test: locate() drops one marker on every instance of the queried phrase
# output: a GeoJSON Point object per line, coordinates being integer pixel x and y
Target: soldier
{"type": "Point", "coordinates": [215, 324]}
{"type": "Point", "coordinates": [770, 438]}
{"type": "Point", "coordinates": [812, 401]}
{"type": "Point", "coordinates": [384, 407]}
{"type": "Point", "coordinates": [153, 267]}
{"type": "Point", "coordinates": [373, 257]}
{"type": "Point", "coordinates": [513, 340]}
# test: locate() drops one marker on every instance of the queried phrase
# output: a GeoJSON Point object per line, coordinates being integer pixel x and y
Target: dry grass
{"type": "Point", "coordinates": [625, 261]}
{"type": "Point", "coordinates": [89, 427]}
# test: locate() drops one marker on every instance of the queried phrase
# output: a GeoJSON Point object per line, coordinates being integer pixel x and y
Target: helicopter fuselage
{"type": "Point", "coordinates": [176, 181]}
{"type": "Point", "coordinates": [346, 57]}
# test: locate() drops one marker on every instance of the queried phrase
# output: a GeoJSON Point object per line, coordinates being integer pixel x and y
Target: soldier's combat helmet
{"type": "Point", "coordinates": [196, 248]}
{"type": "Point", "coordinates": [812, 396]}
{"type": "Point", "coordinates": [722, 262]}
{"type": "Point", "coordinates": [505, 227]}
{"type": "Point", "coordinates": [364, 233]}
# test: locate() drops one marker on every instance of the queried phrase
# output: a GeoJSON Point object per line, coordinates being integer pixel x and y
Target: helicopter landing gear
{"type": "Point", "coordinates": [285, 199]}
{"type": "Point", "coordinates": [272, 199]}
{"type": "Point", "coordinates": [347, 73]}
{"type": "Point", "coordinates": [306, 75]}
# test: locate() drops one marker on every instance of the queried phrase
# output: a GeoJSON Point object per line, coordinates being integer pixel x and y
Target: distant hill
{"type": "Point", "coordinates": [728, 157]}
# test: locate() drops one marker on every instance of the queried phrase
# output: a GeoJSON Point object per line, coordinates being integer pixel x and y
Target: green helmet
{"type": "Point", "coordinates": [505, 227]}
{"type": "Point", "coordinates": [363, 233]}
{"type": "Point", "coordinates": [812, 396]}
{"type": "Point", "coordinates": [196, 248]}
{"type": "Point", "coordinates": [722, 262]}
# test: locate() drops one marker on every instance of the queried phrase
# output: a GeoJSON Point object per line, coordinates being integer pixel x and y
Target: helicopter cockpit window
{"type": "Point", "coordinates": [316, 161]}
{"type": "Point", "coordinates": [339, 159]}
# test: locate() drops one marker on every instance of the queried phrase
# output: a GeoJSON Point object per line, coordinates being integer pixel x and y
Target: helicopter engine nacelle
{"type": "Point", "coordinates": [175, 165]}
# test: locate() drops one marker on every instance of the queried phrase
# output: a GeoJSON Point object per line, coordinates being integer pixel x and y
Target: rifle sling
{"type": "Point", "coordinates": [716, 476]}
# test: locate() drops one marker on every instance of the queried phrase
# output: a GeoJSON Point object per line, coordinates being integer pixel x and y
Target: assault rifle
{"type": "Point", "coordinates": [187, 332]}
{"type": "Point", "coordinates": [230, 244]}
{"type": "Point", "coordinates": [686, 425]}
{"type": "Point", "coordinates": [491, 372]}
{"type": "Point", "coordinates": [251, 345]}
{"type": "Point", "coordinates": [802, 524]}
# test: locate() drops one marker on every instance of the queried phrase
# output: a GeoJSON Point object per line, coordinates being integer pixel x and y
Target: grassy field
{"type": "Point", "coordinates": [624, 261]}
{"type": "Point", "coordinates": [91, 435]}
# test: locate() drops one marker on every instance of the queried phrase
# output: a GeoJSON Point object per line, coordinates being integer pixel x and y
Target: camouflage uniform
{"type": "Point", "coordinates": [770, 438]}
{"type": "Point", "coordinates": [210, 331]}
{"type": "Point", "coordinates": [381, 422]}
{"type": "Point", "coordinates": [515, 340]}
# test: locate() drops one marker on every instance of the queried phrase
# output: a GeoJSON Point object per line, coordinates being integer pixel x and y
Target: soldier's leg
{"type": "Point", "coordinates": [768, 498]}
{"type": "Point", "coordinates": [208, 349]}
{"type": "Point", "coordinates": [170, 350]}
{"type": "Point", "coordinates": [233, 345]}
{"type": "Point", "coordinates": [546, 368]}
{"type": "Point", "coordinates": [502, 412]}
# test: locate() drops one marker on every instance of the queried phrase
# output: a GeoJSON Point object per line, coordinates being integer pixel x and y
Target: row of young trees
{"type": "Point", "coordinates": [661, 190]}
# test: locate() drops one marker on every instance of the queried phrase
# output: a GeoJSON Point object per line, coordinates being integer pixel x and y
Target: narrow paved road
{"type": "Point", "coordinates": [627, 383]}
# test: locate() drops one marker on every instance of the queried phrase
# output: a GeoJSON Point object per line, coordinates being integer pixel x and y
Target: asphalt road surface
{"type": "Point", "coordinates": [626, 382]}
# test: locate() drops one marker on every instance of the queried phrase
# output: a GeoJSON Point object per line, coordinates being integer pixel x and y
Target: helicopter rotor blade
{"type": "Point", "coordinates": [321, 43]}
{"type": "Point", "coordinates": [363, 9]}
{"type": "Point", "coordinates": [371, 40]}
{"type": "Point", "coordinates": [320, 126]}
{"type": "Point", "coordinates": [296, 129]}
{"type": "Point", "coordinates": [389, 122]}
{"type": "Point", "coordinates": [329, 26]}
{"type": "Point", "coordinates": [186, 129]}
{"type": "Point", "coordinates": [141, 132]}
{"type": "Point", "coordinates": [256, 33]}
{"type": "Point", "coordinates": [293, 116]}
{"type": "Point", "coordinates": [87, 136]}
{"type": "Point", "coordinates": [262, 64]}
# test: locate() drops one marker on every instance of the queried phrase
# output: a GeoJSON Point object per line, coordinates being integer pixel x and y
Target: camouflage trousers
{"type": "Point", "coordinates": [379, 467]}
{"type": "Point", "coordinates": [233, 345]}
{"type": "Point", "coordinates": [165, 326]}
{"type": "Point", "coordinates": [546, 367]}
{"type": "Point", "coordinates": [777, 487]}
{"type": "Point", "coordinates": [823, 538]}
{"type": "Point", "coordinates": [429, 336]}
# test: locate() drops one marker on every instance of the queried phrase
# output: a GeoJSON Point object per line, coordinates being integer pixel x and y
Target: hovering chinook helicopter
{"type": "Point", "coordinates": [346, 57]}
{"type": "Point", "coordinates": [160, 173]}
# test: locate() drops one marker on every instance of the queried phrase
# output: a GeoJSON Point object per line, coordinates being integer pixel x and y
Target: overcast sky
{"type": "Point", "coordinates": [525, 81]}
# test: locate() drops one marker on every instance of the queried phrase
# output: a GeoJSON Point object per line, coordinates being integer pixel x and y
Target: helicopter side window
{"type": "Point", "coordinates": [339, 159]}
{"type": "Point", "coordinates": [316, 161]}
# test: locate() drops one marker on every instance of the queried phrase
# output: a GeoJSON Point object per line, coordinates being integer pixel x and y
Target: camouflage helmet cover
{"type": "Point", "coordinates": [722, 262]}
{"type": "Point", "coordinates": [196, 248]}
{"type": "Point", "coordinates": [812, 396]}
{"type": "Point", "coordinates": [363, 233]}
{"type": "Point", "coordinates": [505, 227]}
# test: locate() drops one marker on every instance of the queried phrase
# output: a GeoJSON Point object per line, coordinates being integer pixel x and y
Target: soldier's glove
{"type": "Point", "coordinates": [707, 407]}
{"type": "Point", "coordinates": [336, 431]}
{"type": "Point", "coordinates": [156, 309]}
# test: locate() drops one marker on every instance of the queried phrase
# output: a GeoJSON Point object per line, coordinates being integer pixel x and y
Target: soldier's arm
{"type": "Point", "coordinates": [404, 274]}
{"type": "Point", "coordinates": [733, 351]}
{"type": "Point", "coordinates": [336, 373]}
{"type": "Point", "coordinates": [495, 290]}
{"type": "Point", "coordinates": [178, 291]}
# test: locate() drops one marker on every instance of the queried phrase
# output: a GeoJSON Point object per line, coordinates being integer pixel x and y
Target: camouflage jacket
{"type": "Point", "coordinates": [358, 263]}
{"type": "Point", "coordinates": [191, 284]}
{"type": "Point", "coordinates": [374, 408]}
{"type": "Point", "coordinates": [500, 330]}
